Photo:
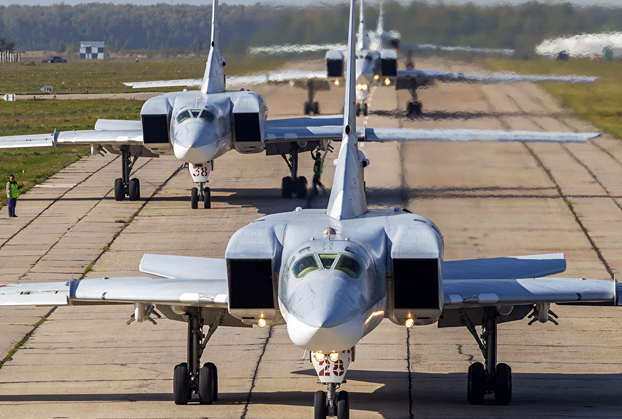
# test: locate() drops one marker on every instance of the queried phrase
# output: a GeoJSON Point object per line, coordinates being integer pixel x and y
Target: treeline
{"type": "Point", "coordinates": [60, 27]}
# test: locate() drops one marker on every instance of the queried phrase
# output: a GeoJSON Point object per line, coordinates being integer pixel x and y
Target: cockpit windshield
{"type": "Point", "coordinates": [304, 266]}
{"type": "Point", "coordinates": [349, 265]}
{"type": "Point", "coordinates": [344, 263]}
{"type": "Point", "coordinates": [196, 113]}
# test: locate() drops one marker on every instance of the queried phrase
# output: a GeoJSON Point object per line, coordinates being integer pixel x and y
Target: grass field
{"type": "Point", "coordinates": [33, 166]}
{"type": "Point", "coordinates": [599, 102]}
{"type": "Point", "coordinates": [95, 76]}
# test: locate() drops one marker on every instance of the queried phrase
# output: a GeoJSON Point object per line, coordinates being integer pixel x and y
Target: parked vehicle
{"type": "Point", "coordinates": [54, 59]}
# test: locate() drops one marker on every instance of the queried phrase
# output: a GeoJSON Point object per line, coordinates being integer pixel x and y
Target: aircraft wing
{"type": "Point", "coordinates": [504, 51]}
{"type": "Point", "coordinates": [184, 267]}
{"type": "Point", "coordinates": [285, 76]}
{"type": "Point", "coordinates": [71, 138]}
{"type": "Point", "coordinates": [532, 266]}
{"type": "Point", "coordinates": [449, 76]}
{"type": "Point", "coordinates": [294, 48]}
{"type": "Point", "coordinates": [460, 135]}
{"type": "Point", "coordinates": [165, 83]}
{"type": "Point", "coordinates": [193, 292]}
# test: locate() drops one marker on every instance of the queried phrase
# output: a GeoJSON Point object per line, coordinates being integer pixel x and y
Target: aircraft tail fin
{"type": "Point", "coordinates": [214, 78]}
{"type": "Point", "coordinates": [347, 197]}
{"type": "Point", "coordinates": [363, 42]}
{"type": "Point", "coordinates": [380, 27]}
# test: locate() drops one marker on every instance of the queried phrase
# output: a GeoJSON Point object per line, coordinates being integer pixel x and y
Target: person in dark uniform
{"type": "Point", "coordinates": [12, 192]}
{"type": "Point", "coordinates": [317, 171]}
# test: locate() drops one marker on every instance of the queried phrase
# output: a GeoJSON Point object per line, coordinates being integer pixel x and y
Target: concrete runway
{"type": "Point", "coordinates": [488, 200]}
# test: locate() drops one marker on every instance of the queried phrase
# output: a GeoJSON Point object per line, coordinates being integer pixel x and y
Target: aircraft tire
{"type": "Point", "coordinates": [181, 384]}
{"type": "Point", "coordinates": [134, 190]}
{"type": "Point", "coordinates": [194, 198]}
{"type": "Point", "coordinates": [214, 370]}
{"type": "Point", "coordinates": [316, 108]}
{"type": "Point", "coordinates": [286, 187]}
{"type": "Point", "coordinates": [207, 198]}
{"type": "Point", "coordinates": [365, 110]}
{"type": "Point", "coordinates": [119, 192]}
{"type": "Point", "coordinates": [319, 405]}
{"type": "Point", "coordinates": [503, 384]}
{"type": "Point", "coordinates": [206, 386]}
{"type": "Point", "coordinates": [358, 109]}
{"type": "Point", "coordinates": [476, 389]}
{"type": "Point", "coordinates": [343, 405]}
{"type": "Point", "coordinates": [307, 108]}
{"type": "Point", "coordinates": [300, 187]}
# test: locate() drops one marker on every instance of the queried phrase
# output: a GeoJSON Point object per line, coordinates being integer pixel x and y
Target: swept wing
{"type": "Point", "coordinates": [504, 77]}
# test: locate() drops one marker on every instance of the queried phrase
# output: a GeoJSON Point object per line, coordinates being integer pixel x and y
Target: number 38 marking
{"type": "Point", "coordinates": [200, 171]}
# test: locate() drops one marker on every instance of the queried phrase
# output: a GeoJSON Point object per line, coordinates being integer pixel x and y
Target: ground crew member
{"type": "Point", "coordinates": [317, 171]}
{"type": "Point", "coordinates": [12, 192]}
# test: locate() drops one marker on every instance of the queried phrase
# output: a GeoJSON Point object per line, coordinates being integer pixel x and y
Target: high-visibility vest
{"type": "Point", "coordinates": [317, 166]}
{"type": "Point", "coordinates": [14, 191]}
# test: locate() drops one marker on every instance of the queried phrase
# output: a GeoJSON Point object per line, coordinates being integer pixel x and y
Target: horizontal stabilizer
{"type": "Point", "coordinates": [276, 77]}
{"type": "Point", "coordinates": [294, 48]}
{"type": "Point", "coordinates": [118, 125]}
{"type": "Point", "coordinates": [450, 76]}
{"type": "Point", "coordinates": [505, 268]}
{"type": "Point", "coordinates": [184, 267]}
{"type": "Point", "coordinates": [504, 51]}
{"type": "Point", "coordinates": [165, 83]}
{"type": "Point", "coordinates": [459, 135]}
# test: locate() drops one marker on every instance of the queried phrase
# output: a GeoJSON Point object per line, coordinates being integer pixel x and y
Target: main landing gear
{"type": "Point", "coordinates": [413, 107]}
{"type": "Point", "coordinates": [311, 107]}
{"type": "Point", "coordinates": [294, 184]}
{"type": "Point", "coordinates": [189, 377]}
{"type": "Point", "coordinates": [492, 378]}
{"type": "Point", "coordinates": [202, 194]}
{"type": "Point", "coordinates": [361, 107]}
{"type": "Point", "coordinates": [124, 186]}
{"type": "Point", "coordinates": [329, 403]}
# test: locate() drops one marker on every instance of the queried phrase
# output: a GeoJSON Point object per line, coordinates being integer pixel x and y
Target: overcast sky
{"type": "Point", "coordinates": [301, 2]}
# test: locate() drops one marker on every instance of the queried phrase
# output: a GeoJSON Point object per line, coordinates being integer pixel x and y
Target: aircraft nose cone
{"type": "Point", "coordinates": [194, 142]}
{"type": "Point", "coordinates": [326, 314]}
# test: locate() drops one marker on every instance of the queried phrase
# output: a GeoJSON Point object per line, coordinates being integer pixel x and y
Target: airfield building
{"type": "Point", "coordinates": [90, 50]}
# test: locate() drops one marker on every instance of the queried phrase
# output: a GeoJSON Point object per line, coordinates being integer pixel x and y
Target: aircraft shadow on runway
{"type": "Point", "coordinates": [432, 395]}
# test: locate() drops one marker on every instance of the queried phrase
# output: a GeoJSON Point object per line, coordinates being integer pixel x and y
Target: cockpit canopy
{"type": "Point", "coordinates": [195, 113]}
{"type": "Point", "coordinates": [338, 261]}
{"type": "Point", "coordinates": [366, 56]}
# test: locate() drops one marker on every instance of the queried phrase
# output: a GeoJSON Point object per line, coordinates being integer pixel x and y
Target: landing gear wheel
{"type": "Point", "coordinates": [214, 371]}
{"type": "Point", "coordinates": [413, 109]}
{"type": "Point", "coordinates": [476, 388]}
{"type": "Point", "coordinates": [181, 384]}
{"type": "Point", "coordinates": [206, 386]}
{"type": "Point", "coordinates": [286, 187]}
{"type": "Point", "coordinates": [358, 109]}
{"type": "Point", "coordinates": [503, 384]}
{"type": "Point", "coordinates": [300, 187]}
{"type": "Point", "coordinates": [207, 198]}
{"type": "Point", "coordinates": [343, 405]}
{"type": "Point", "coordinates": [315, 108]}
{"type": "Point", "coordinates": [119, 190]}
{"type": "Point", "coordinates": [194, 198]}
{"type": "Point", "coordinates": [365, 110]}
{"type": "Point", "coordinates": [319, 405]}
{"type": "Point", "coordinates": [307, 108]}
{"type": "Point", "coordinates": [134, 190]}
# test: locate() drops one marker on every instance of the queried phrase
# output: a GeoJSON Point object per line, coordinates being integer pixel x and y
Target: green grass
{"type": "Point", "coordinates": [108, 76]}
{"type": "Point", "coordinates": [599, 102]}
{"type": "Point", "coordinates": [33, 166]}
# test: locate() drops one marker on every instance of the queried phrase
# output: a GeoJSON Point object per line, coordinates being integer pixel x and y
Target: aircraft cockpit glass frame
{"type": "Point", "coordinates": [350, 266]}
{"type": "Point", "coordinates": [304, 265]}
{"type": "Point", "coordinates": [327, 261]}
{"type": "Point", "coordinates": [183, 115]}
{"type": "Point", "coordinates": [204, 114]}
{"type": "Point", "coordinates": [207, 115]}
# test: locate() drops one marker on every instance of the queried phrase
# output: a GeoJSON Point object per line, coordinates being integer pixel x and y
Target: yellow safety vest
{"type": "Point", "coordinates": [14, 191]}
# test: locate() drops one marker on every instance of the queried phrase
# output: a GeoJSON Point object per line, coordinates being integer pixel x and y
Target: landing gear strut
{"type": "Point", "coordinates": [293, 184]}
{"type": "Point", "coordinates": [124, 186]}
{"type": "Point", "coordinates": [361, 107]}
{"type": "Point", "coordinates": [189, 377]}
{"type": "Point", "coordinates": [310, 106]}
{"type": "Point", "coordinates": [329, 403]}
{"type": "Point", "coordinates": [492, 378]}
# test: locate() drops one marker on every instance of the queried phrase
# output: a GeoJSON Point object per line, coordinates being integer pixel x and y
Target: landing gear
{"type": "Point", "coordinates": [329, 403]}
{"type": "Point", "coordinates": [123, 186]}
{"type": "Point", "coordinates": [413, 109]}
{"type": "Point", "coordinates": [492, 378]}
{"type": "Point", "coordinates": [293, 185]}
{"type": "Point", "coordinates": [188, 378]}
{"type": "Point", "coordinates": [200, 194]}
{"type": "Point", "coordinates": [362, 108]}
{"type": "Point", "coordinates": [311, 107]}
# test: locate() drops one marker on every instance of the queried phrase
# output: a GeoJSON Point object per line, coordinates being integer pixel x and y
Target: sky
{"type": "Point", "coordinates": [300, 2]}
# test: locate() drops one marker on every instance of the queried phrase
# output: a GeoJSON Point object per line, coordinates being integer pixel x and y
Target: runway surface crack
{"type": "Point", "coordinates": [256, 373]}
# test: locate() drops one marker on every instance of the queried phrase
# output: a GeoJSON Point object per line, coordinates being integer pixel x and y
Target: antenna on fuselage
{"type": "Point", "coordinates": [214, 78]}
{"type": "Point", "coordinates": [347, 196]}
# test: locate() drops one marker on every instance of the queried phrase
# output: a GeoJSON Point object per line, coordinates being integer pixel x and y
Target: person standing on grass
{"type": "Point", "coordinates": [12, 192]}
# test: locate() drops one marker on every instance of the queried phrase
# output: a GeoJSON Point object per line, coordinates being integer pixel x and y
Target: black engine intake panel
{"type": "Point", "coordinates": [155, 129]}
{"type": "Point", "coordinates": [416, 283]}
{"type": "Point", "coordinates": [250, 284]}
{"type": "Point", "coordinates": [388, 67]}
{"type": "Point", "coordinates": [334, 68]}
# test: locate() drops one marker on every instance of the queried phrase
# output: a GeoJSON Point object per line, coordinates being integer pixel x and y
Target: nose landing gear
{"type": "Point", "coordinates": [200, 173]}
{"type": "Point", "coordinates": [361, 107]}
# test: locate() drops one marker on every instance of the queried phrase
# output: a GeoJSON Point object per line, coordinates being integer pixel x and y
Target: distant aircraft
{"type": "Point", "coordinates": [331, 276]}
{"type": "Point", "coordinates": [200, 126]}
{"type": "Point", "coordinates": [587, 45]}
{"type": "Point", "coordinates": [376, 65]}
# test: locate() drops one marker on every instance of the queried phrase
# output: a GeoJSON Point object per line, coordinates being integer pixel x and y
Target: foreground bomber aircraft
{"type": "Point", "coordinates": [376, 65]}
{"type": "Point", "coordinates": [331, 276]}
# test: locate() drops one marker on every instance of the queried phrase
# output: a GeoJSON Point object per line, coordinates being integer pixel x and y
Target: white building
{"type": "Point", "coordinates": [90, 50]}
